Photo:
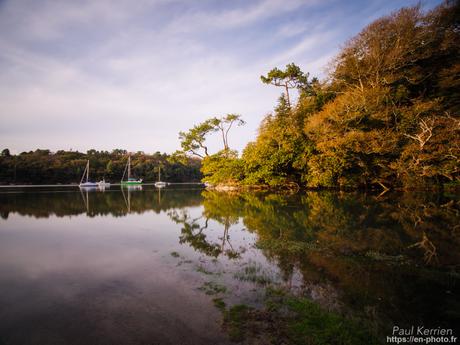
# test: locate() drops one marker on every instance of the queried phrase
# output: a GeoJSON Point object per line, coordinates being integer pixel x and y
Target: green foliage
{"type": "Point", "coordinates": [194, 140]}
{"type": "Point", "coordinates": [292, 320]}
{"type": "Point", "coordinates": [313, 325]}
{"type": "Point", "coordinates": [223, 167]}
{"type": "Point", "coordinates": [219, 303]}
{"type": "Point", "coordinates": [44, 167]}
{"type": "Point", "coordinates": [337, 238]}
{"type": "Point", "coordinates": [280, 152]}
{"type": "Point", "coordinates": [254, 273]}
{"type": "Point", "coordinates": [237, 321]}
{"type": "Point", "coordinates": [224, 124]}
{"type": "Point", "coordinates": [292, 77]}
{"type": "Point", "coordinates": [387, 117]}
{"type": "Point", "coordinates": [212, 288]}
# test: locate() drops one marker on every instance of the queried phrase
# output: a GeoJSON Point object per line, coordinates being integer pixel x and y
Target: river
{"type": "Point", "coordinates": [146, 266]}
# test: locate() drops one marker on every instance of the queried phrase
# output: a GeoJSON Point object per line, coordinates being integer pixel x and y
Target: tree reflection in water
{"type": "Point", "coordinates": [193, 231]}
{"type": "Point", "coordinates": [387, 258]}
{"type": "Point", "coordinates": [390, 259]}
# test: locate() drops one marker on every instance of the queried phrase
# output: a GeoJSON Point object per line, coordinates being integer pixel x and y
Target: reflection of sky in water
{"type": "Point", "coordinates": [109, 245]}
{"type": "Point", "coordinates": [68, 276]}
{"type": "Point", "coordinates": [98, 272]}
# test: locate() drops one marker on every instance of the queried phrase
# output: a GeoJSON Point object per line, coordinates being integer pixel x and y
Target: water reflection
{"type": "Point", "coordinates": [115, 201]}
{"type": "Point", "coordinates": [391, 259]}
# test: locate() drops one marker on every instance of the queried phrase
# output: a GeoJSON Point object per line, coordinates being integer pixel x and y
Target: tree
{"type": "Point", "coordinates": [109, 168]}
{"type": "Point", "coordinates": [224, 124]}
{"type": "Point", "coordinates": [119, 152]}
{"type": "Point", "coordinates": [292, 77]}
{"type": "Point", "coordinates": [6, 153]}
{"type": "Point", "coordinates": [386, 117]}
{"type": "Point", "coordinates": [221, 167]}
{"type": "Point", "coordinates": [194, 140]}
{"type": "Point", "coordinates": [224, 167]}
{"type": "Point", "coordinates": [67, 167]}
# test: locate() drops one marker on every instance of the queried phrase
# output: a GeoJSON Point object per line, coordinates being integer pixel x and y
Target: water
{"type": "Point", "coordinates": [142, 266]}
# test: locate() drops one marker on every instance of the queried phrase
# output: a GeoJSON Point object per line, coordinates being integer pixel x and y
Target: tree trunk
{"type": "Point", "coordinates": [223, 138]}
{"type": "Point", "coordinates": [287, 96]}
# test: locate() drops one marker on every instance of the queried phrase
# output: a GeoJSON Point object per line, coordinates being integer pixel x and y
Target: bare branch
{"type": "Point", "coordinates": [426, 133]}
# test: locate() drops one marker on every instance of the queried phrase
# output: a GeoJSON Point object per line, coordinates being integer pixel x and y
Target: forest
{"type": "Point", "coordinates": [45, 167]}
{"type": "Point", "coordinates": [386, 116]}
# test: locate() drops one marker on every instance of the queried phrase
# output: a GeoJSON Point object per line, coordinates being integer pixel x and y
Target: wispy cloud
{"type": "Point", "coordinates": [108, 74]}
{"type": "Point", "coordinates": [228, 18]}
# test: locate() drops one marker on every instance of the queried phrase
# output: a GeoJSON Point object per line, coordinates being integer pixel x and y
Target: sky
{"type": "Point", "coordinates": [103, 74]}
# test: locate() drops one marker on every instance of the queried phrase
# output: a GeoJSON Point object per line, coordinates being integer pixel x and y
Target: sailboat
{"type": "Point", "coordinates": [87, 183]}
{"type": "Point", "coordinates": [130, 180]}
{"type": "Point", "coordinates": [159, 183]}
{"type": "Point", "coordinates": [103, 184]}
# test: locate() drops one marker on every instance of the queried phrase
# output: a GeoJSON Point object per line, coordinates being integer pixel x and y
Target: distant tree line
{"type": "Point", "coordinates": [387, 116]}
{"type": "Point", "coordinates": [43, 166]}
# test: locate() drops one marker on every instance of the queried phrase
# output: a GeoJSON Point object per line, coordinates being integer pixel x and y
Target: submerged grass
{"type": "Point", "coordinates": [219, 303]}
{"type": "Point", "coordinates": [238, 322]}
{"type": "Point", "coordinates": [312, 325]}
{"type": "Point", "coordinates": [212, 288]}
{"type": "Point", "coordinates": [288, 319]}
{"type": "Point", "coordinates": [288, 247]}
{"type": "Point", "coordinates": [255, 274]}
{"type": "Point", "coordinates": [203, 270]}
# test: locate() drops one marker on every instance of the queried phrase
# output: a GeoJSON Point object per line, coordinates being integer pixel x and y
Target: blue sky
{"type": "Point", "coordinates": [131, 74]}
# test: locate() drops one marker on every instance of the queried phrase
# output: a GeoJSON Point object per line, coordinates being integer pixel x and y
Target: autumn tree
{"type": "Point", "coordinates": [388, 115]}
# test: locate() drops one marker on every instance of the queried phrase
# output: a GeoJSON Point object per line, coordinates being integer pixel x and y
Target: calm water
{"type": "Point", "coordinates": [141, 266]}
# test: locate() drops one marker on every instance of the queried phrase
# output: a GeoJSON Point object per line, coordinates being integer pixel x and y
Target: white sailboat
{"type": "Point", "coordinates": [130, 180]}
{"type": "Point", "coordinates": [103, 184]}
{"type": "Point", "coordinates": [159, 183]}
{"type": "Point", "coordinates": [87, 183]}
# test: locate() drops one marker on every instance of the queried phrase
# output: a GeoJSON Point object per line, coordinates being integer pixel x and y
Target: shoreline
{"type": "Point", "coordinates": [76, 185]}
{"type": "Point", "coordinates": [284, 189]}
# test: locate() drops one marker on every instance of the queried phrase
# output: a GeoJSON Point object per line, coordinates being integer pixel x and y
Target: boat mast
{"type": "Point", "coordinates": [159, 173]}
{"type": "Point", "coordinates": [84, 173]}
{"type": "Point", "coordinates": [87, 171]}
{"type": "Point", "coordinates": [124, 173]}
{"type": "Point", "coordinates": [129, 167]}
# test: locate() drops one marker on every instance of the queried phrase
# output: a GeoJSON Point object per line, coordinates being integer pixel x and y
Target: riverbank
{"type": "Point", "coordinates": [294, 187]}
{"type": "Point", "coordinates": [76, 185]}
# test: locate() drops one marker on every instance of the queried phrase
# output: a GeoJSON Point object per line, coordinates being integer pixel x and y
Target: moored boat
{"type": "Point", "coordinates": [103, 184]}
{"type": "Point", "coordinates": [87, 183]}
{"type": "Point", "coordinates": [130, 180]}
{"type": "Point", "coordinates": [159, 183]}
